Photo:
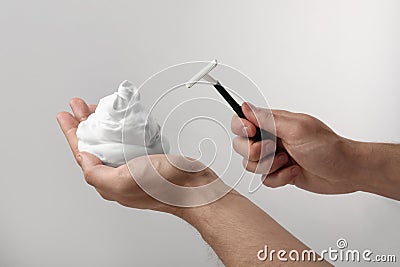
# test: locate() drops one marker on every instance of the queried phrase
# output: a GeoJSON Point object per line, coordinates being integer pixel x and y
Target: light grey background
{"type": "Point", "coordinates": [337, 60]}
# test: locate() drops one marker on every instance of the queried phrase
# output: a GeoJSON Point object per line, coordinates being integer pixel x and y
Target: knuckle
{"type": "Point", "coordinates": [88, 176]}
{"type": "Point", "coordinates": [267, 182]}
{"type": "Point", "coordinates": [248, 166]}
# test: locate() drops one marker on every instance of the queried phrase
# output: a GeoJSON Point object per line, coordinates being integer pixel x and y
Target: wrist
{"type": "Point", "coordinates": [207, 190]}
{"type": "Point", "coordinates": [384, 170]}
{"type": "Point", "coordinates": [358, 156]}
{"type": "Point", "coordinates": [374, 167]}
{"type": "Point", "coordinates": [205, 213]}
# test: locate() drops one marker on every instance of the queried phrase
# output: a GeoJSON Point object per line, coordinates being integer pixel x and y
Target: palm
{"type": "Point", "coordinates": [117, 184]}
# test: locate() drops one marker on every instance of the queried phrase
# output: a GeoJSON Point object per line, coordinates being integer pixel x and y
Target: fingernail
{"type": "Point", "coordinates": [79, 158]}
{"type": "Point", "coordinates": [244, 130]}
{"type": "Point", "coordinates": [282, 159]}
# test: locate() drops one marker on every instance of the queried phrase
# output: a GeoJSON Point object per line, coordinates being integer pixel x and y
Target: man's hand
{"type": "Point", "coordinates": [117, 184]}
{"type": "Point", "coordinates": [309, 154]}
{"type": "Point", "coordinates": [233, 226]}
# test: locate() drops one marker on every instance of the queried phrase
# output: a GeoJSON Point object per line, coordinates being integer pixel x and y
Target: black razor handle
{"type": "Point", "coordinates": [260, 133]}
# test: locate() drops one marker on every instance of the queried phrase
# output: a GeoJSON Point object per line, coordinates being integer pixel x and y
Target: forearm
{"type": "Point", "coordinates": [377, 168]}
{"type": "Point", "coordinates": [236, 229]}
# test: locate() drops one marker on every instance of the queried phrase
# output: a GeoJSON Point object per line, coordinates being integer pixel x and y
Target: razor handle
{"type": "Point", "coordinates": [260, 133]}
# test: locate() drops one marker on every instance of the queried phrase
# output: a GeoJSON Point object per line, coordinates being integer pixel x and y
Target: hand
{"type": "Point", "coordinates": [233, 226]}
{"type": "Point", "coordinates": [117, 184]}
{"type": "Point", "coordinates": [309, 154]}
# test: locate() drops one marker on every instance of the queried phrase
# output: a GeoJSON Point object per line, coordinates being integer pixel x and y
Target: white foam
{"type": "Point", "coordinates": [101, 134]}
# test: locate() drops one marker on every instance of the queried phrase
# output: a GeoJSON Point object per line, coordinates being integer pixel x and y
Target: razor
{"type": "Point", "coordinates": [204, 74]}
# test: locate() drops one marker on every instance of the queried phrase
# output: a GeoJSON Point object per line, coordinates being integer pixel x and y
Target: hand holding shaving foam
{"type": "Point", "coordinates": [121, 124]}
{"type": "Point", "coordinates": [120, 184]}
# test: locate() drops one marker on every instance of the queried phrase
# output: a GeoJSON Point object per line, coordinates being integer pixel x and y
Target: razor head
{"type": "Point", "coordinates": [202, 74]}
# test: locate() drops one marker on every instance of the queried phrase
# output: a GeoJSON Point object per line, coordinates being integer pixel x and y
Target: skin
{"type": "Point", "coordinates": [314, 158]}
{"type": "Point", "coordinates": [311, 156]}
{"type": "Point", "coordinates": [233, 226]}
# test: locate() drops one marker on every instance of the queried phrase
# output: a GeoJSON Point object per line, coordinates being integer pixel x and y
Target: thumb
{"type": "Point", "coordinates": [277, 122]}
{"type": "Point", "coordinates": [96, 174]}
{"type": "Point", "coordinates": [88, 161]}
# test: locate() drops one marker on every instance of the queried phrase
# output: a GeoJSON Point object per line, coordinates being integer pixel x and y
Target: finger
{"type": "Point", "coordinates": [251, 150]}
{"type": "Point", "coordinates": [266, 165]}
{"type": "Point", "coordinates": [92, 108]}
{"type": "Point", "coordinates": [80, 109]}
{"type": "Point", "coordinates": [242, 127]}
{"type": "Point", "coordinates": [262, 118]}
{"type": "Point", "coordinates": [102, 177]}
{"type": "Point", "coordinates": [282, 177]}
{"type": "Point", "coordinates": [69, 125]}
{"type": "Point", "coordinates": [279, 122]}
